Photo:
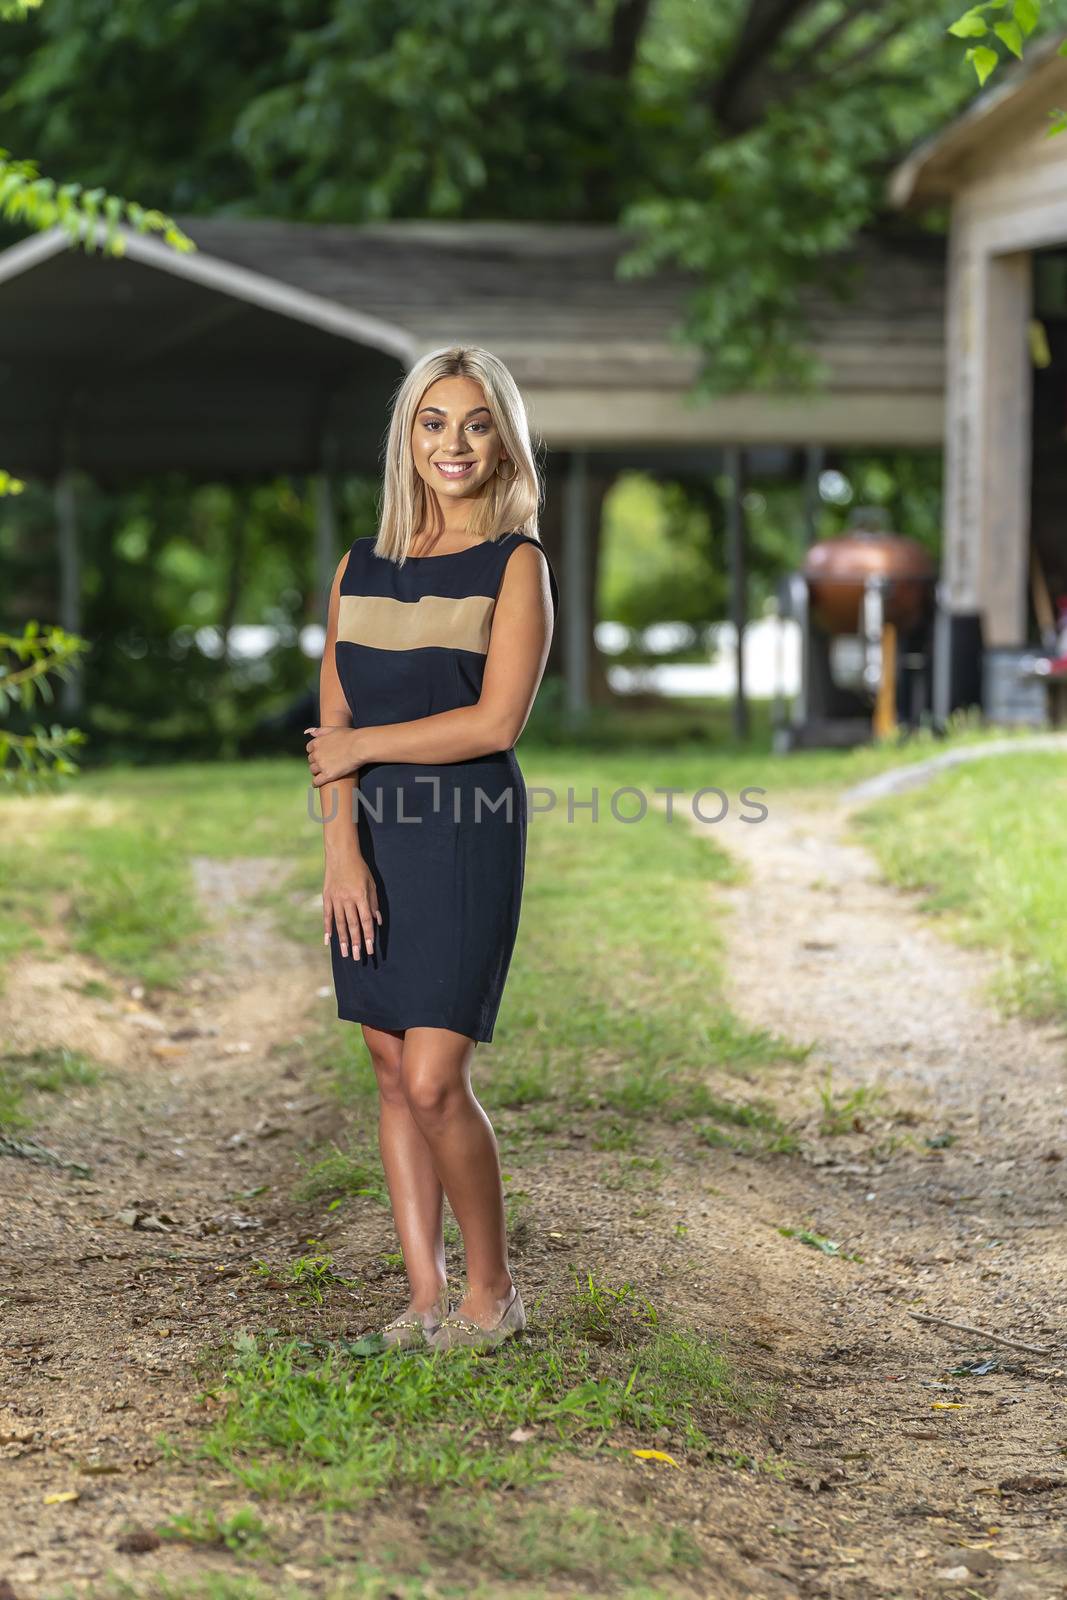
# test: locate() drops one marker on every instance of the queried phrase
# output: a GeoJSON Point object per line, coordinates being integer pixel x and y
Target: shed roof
{"type": "Point", "coordinates": [275, 346]}
{"type": "Point", "coordinates": [1027, 90]}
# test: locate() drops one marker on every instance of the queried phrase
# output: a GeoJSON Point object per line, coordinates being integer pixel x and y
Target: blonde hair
{"type": "Point", "coordinates": [503, 504]}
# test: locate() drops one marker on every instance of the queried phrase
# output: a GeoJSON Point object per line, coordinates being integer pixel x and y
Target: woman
{"type": "Point", "coordinates": [438, 634]}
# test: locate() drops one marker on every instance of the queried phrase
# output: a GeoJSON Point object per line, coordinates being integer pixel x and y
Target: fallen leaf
{"type": "Point", "coordinates": [520, 1435]}
{"type": "Point", "coordinates": [371, 1344]}
{"type": "Point", "coordinates": [946, 1405]}
{"type": "Point", "coordinates": [63, 1494]}
{"type": "Point", "coordinates": [654, 1455]}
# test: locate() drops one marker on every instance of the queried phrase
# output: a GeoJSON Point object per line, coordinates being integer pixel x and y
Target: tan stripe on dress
{"type": "Point", "coordinates": [388, 624]}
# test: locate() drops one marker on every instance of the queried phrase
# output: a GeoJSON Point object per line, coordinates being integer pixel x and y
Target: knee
{"type": "Point", "coordinates": [431, 1096]}
{"type": "Point", "coordinates": [387, 1071]}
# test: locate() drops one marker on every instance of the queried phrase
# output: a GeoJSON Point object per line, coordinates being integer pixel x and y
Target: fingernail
{"type": "Point", "coordinates": [344, 949]}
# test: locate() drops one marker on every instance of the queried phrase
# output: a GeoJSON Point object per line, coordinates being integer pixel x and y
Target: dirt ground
{"type": "Point", "coordinates": [904, 1479]}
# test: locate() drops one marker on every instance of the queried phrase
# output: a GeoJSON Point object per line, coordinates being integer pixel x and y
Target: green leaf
{"type": "Point", "coordinates": [372, 1344]}
{"type": "Point", "coordinates": [984, 61]}
{"type": "Point", "coordinates": [1026, 13]}
{"type": "Point", "coordinates": [1009, 32]}
{"type": "Point", "coordinates": [969, 26]}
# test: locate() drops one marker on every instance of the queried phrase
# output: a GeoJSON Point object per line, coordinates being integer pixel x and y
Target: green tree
{"type": "Point", "coordinates": [748, 141]}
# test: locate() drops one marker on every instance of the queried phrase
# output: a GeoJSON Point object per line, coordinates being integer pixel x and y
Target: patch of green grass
{"type": "Point", "coordinates": [338, 1175]}
{"type": "Point", "coordinates": [47, 1071]}
{"type": "Point", "coordinates": [129, 901]}
{"type": "Point", "coordinates": [633, 1173]}
{"type": "Point", "coordinates": [110, 851]}
{"type": "Point", "coordinates": [565, 1541]}
{"type": "Point", "coordinates": [818, 1241]}
{"type": "Point", "coordinates": [986, 845]}
{"type": "Point", "coordinates": [360, 1581]}
{"type": "Point", "coordinates": [846, 1111]}
{"type": "Point", "coordinates": [310, 1277]}
{"type": "Point", "coordinates": [209, 1586]}
{"type": "Point", "coordinates": [615, 1135]}
{"type": "Point", "coordinates": [242, 1532]}
{"type": "Point", "coordinates": [606, 1314]}
{"type": "Point", "coordinates": [306, 1420]}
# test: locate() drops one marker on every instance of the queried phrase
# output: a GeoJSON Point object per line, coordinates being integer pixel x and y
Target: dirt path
{"type": "Point", "coordinates": [903, 1494]}
{"type": "Point", "coordinates": [896, 1467]}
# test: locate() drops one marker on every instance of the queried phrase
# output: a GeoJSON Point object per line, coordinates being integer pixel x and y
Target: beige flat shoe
{"type": "Point", "coordinates": [410, 1330]}
{"type": "Point", "coordinates": [457, 1332]}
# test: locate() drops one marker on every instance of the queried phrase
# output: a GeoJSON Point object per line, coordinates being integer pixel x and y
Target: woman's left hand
{"type": "Point", "coordinates": [332, 753]}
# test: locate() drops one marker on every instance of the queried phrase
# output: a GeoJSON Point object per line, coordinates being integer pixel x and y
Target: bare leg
{"type": "Point", "coordinates": [414, 1188]}
{"type": "Point", "coordinates": [435, 1078]}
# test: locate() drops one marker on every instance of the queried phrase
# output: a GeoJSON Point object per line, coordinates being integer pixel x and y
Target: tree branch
{"type": "Point", "coordinates": [627, 26]}
{"type": "Point", "coordinates": [848, 16]}
{"type": "Point", "coordinates": [742, 89]}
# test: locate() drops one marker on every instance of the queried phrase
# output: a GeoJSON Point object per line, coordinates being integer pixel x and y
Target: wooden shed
{"type": "Point", "coordinates": [1004, 181]}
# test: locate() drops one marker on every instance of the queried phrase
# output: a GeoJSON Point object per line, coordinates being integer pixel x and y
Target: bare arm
{"type": "Point", "coordinates": [515, 662]}
{"type": "Point", "coordinates": [349, 893]}
{"type": "Point", "coordinates": [339, 833]}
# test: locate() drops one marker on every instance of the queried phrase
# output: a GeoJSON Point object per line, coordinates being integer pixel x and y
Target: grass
{"type": "Point", "coordinates": [303, 1420]}
{"type": "Point", "coordinates": [242, 1532]}
{"type": "Point", "coordinates": [43, 1071]}
{"type": "Point", "coordinates": [985, 848]}
{"type": "Point", "coordinates": [307, 1279]}
{"type": "Point", "coordinates": [365, 1580]}
{"type": "Point", "coordinates": [576, 1542]}
{"type": "Point", "coordinates": [818, 1241]}
{"type": "Point", "coordinates": [338, 1174]}
{"type": "Point", "coordinates": [846, 1111]}
{"type": "Point", "coordinates": [570, 1541]}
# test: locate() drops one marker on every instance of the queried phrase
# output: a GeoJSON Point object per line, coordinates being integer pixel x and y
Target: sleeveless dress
{"type": "Point", "coordinates": [446, 844]}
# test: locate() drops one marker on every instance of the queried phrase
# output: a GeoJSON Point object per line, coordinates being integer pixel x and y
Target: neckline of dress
{"type": "Point", "coordinates": [448, 554]}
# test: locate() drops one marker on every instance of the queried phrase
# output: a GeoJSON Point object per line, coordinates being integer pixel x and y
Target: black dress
{"type": "Point", "coordinates": [446, 844]}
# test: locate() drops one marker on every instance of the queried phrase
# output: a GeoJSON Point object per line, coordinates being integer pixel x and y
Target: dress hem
{"type": "Point", "coordinates": [374, 1020]}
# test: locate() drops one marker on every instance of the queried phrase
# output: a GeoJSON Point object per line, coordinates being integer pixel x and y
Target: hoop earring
{"type": "Point", "coordinates": [509, 477]}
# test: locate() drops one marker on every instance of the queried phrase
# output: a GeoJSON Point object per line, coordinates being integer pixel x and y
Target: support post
{"type": "Point", "coordinates": [575, 575]}
{"type": "Point", "coordinates": [735, 538]}
{"type": "Point", "coordinates": [72, 692]}
{"type": "Point", "coordinates": [987, 434]}
{"type": "Point", "coordinates": [326, 552]}
{"type": "Point", "coordinates": [814, 461]}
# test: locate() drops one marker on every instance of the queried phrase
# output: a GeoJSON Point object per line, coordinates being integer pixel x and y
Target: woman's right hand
{"type": "Point", "coordinates": [350, 904]}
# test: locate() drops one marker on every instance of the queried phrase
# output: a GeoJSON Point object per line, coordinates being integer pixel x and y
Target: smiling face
{"type": "Point", "coordinates": [455, 442]}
